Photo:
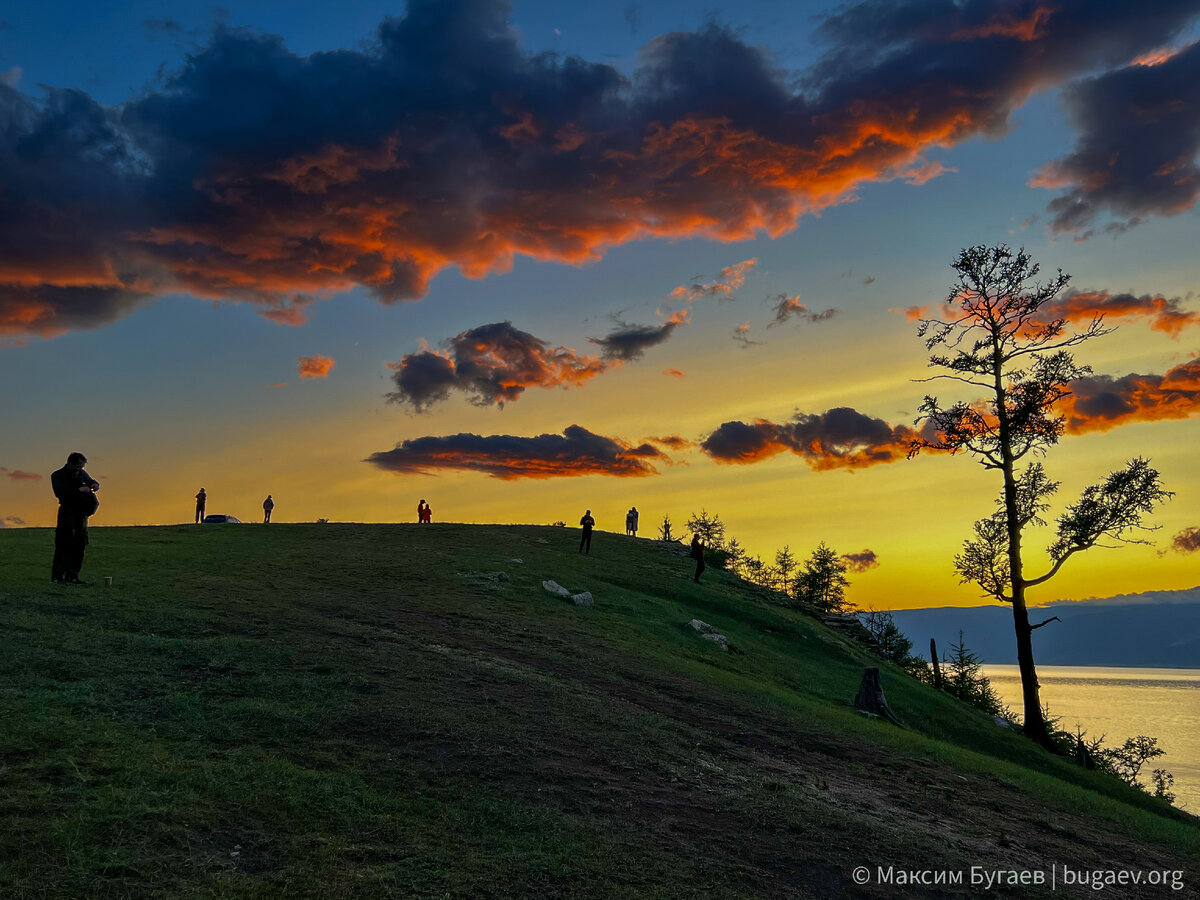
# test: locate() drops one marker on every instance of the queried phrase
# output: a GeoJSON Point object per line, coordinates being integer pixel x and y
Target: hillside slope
{"type": "Point", "coordinates": [362, 710]}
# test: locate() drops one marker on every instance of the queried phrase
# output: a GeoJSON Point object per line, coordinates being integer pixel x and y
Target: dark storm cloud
{"type": "Point", "coordinates": [575, 452]}
{"type": "Point", "coordinates": [840, 438]}
{"type": "Point", "coordinates": [490, 364]}
{"type": "Point", "coordinates": [1135, 156]}
{"type": "Point", "coordinates": [11, 522]}
{"type": "Point", "coordinates": [254, 174]}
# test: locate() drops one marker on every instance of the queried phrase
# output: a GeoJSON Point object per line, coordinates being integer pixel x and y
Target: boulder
{"type": "Point", "coordinates": [710, 634]}
{"type": "Point", "coordinates": [584, 599]}
{"type": "Point", "coordinates": [555, 588]}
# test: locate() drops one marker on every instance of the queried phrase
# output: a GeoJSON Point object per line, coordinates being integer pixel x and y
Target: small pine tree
{"type": "Point", "coordinates": [754, 570]}
{"type": "Point", "coordinates": [710, 528]}
{"type": "Point", "coordinates": [664, 530]}
{"type": "Point", "coordinates": [782, 572]}
{"type": "Point", "coordinates": [893, 645]}
{"type": "Point", "coordinates": [737, 557]}
{"type": "Point", "coordinates": [962, 677]}
{"type": "Point", "coordinates": [823, 582]}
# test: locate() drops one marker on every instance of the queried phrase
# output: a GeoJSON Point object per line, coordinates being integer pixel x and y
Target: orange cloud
{"type": "Point", "coordinates": [1009, 23]}
{"type": "Point", "coordinates": [840, 438]}
{"type": "Point", "coordinates": [673, 373]}
{"type": "Point", "coordinates": [315, 366]}
{"type": "Point", "coordinates": [1101, 402]}
{"type": "Point", "coordinates": [1164, 314]}
{"type": "Point", "coordinates": [729, 280]}
{"type": "Point", "coordinates": [912, 313]}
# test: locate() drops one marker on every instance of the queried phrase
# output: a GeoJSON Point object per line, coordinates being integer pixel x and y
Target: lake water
{"type": "Point", "coordinates": [1121, 703]}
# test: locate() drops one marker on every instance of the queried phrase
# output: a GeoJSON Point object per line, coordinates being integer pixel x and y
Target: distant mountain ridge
{"type": "Point", "coordinates": [1154, 629]}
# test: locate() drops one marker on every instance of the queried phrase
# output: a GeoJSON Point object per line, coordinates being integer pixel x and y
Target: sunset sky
{"type": "Point", "coordinates": [522, 260]}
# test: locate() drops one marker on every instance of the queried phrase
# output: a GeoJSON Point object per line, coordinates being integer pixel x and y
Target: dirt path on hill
{"type": "Point", "coordinates": [838, 804]}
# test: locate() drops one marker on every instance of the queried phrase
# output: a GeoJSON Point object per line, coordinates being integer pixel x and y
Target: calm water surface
{"type": "Point", "coordinates": [1121, 703]}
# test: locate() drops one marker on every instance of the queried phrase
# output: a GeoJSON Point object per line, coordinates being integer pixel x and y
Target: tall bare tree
{"type": "Point", "coordinates": [998, 336]}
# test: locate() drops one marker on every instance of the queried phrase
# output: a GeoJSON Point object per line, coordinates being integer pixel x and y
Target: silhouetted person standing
{"type": "Point", "coordinates": [585, 540]}
{"type": "Point", "coordinates": [421, 512]}
{"type": "Point", "coordinates": [631, 521]}
{"type": "Point", "coordinates": [268, 505]}
{"type": "Point", "coordinates": [201, 499]}
{"type": "Point", "coordinates": [428, 514]}
{"type": "Point", "coordinates": [76, 493]}
{"type": "Point", "coordinates": [697, 553]}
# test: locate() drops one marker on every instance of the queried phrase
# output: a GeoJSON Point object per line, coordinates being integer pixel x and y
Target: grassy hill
{"type": "Point", "coordinates": [389, 710]}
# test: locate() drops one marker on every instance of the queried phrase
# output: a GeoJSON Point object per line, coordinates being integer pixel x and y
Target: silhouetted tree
{"type": "Point", "coordinates": [822, 582]}
{"type": "Point", "coordinates": [710, 528]}
{"type": "Point", "coordinates": [962, 677]}
{"type": "Point", "coordinates": [997, 337]}
{"type": "Point", "coordinates": [755, 570]}
{"type": "Point", "coordinates": [881, 625]}
{"type": "Point", "coordinates": [664, 530]}
{"type": "Point", "coordinates": [781, 572]}
{"type": "Point", "coordinates": [1126, 762]}
{"type": "Point", "coordinates": [736, 562]}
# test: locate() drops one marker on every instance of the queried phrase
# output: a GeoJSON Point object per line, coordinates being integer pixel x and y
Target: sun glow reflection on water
{"type": "Point", "coordinates": [1121, 703]}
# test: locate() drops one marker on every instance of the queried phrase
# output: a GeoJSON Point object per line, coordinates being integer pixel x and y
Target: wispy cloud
{"type": "Point", "coordinates": [628, 342]}
{"type": "Point", "coordinates": [20, 475]}
{"type": "Point", "coordinates": [787, 308]}
{"type": "Point", "coordinates": [723, 287]}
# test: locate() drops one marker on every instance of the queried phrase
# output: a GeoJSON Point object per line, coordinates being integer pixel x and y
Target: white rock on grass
{"type": "Point", "coordinates": [584, 599]}
{"type": "Point", "coordinates": [555, 588]}
{"type": "Point", "coordinates": [710, 634]}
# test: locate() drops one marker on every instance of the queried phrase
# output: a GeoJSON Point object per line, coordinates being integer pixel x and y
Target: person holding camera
{"type": "Point", "coordinates": [76, 493]}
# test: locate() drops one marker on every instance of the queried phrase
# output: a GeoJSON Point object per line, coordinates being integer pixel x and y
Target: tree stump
{"type": "Point", "coordinates": [870, 697]}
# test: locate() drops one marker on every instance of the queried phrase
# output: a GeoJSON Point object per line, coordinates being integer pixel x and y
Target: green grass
{"type": "Point", "coordinates": [354, 710]}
